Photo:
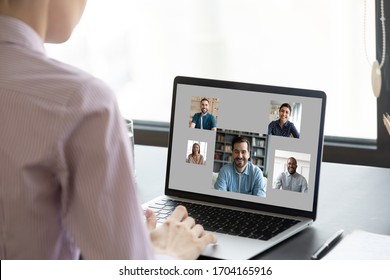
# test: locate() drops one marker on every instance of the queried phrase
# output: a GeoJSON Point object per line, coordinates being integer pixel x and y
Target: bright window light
{"type": "Point", "coordinates": [138, 47]}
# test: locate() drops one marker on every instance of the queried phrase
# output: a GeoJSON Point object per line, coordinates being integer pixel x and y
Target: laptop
{"type": "Point", "coordinates": [201, 150]}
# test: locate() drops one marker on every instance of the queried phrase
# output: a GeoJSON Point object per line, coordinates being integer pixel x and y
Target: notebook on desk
{"type": "Point", "coordinates": [246, 199]}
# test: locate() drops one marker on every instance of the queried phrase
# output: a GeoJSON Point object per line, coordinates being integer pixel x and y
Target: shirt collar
{"type": "Point", "coordinates": [15, 31]}
{"type": "Point", "coordinates": [246, 171]}
{"type": "Point", "coordinates": [285, 124]}
{"type": "Point", "coordinates": [290, 175]}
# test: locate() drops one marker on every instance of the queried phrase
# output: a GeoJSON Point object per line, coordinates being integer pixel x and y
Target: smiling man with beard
{"type": "Point", "coordinates": [290, 180]}
{"type": "Point", "coordinates": [203, 119]}
{"type": "Point", "coordinates": [241, 175]}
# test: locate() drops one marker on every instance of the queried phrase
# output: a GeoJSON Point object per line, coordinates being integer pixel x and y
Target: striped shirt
{"type": "Point", "coordinates": [66, 180]}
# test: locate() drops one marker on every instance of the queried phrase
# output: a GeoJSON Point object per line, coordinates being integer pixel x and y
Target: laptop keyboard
{"type": "Point", "coordinates": [227, 221]}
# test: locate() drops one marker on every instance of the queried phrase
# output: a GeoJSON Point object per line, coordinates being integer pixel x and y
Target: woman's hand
{"type": "Point", "coordinates": [179, 236]}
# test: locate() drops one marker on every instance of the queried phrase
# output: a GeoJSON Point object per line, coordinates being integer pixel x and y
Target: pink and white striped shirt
{"type": "Point", "coordinates": [66, 179]}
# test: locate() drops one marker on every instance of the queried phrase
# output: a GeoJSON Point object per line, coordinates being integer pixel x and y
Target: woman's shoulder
{"type": "Point", "coordinates": [289, 123]}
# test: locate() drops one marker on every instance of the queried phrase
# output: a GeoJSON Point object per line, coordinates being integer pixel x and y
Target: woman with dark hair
{"type": "Point", "coordinates": [195, 156]}
{"type": "Point", "coordinates": [57, 200]}
{"type": "Point", "coordinates": [282, 126]}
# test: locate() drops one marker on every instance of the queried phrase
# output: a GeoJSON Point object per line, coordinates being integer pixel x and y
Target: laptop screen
{"type": "Point", "coordinates": [243, 144]}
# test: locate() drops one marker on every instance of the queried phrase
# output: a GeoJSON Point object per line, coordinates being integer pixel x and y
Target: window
{"type": "Point", "coordinates": [138, 47]}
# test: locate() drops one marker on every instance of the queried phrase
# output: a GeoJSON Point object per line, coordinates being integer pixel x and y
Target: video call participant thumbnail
{"type": "Point", "coordinates": [291, 180]}
{"type": "Point", "coordinates": [241, 175]}
{"type": "Point", "coordinates": [204, 119]}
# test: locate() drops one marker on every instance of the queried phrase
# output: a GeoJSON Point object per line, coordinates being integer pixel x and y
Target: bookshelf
{"type": "Point", "coordinates": [223, 147]}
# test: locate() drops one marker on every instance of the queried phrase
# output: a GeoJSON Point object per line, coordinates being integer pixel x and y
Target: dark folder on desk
{"type": "Point", "coordinates": [249, 223]}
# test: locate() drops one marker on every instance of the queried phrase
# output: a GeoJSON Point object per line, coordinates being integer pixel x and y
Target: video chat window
{"type": "Point", "coordinates": [247, 153]}
{"type": "Point", "coordinates": [291, 171]}
{"type": "Point", "coordinates": [285, 119]}
{"type": "Point", "coordinates": [204, 113]}
{"type": "Point", "coordinates": [196, 152]}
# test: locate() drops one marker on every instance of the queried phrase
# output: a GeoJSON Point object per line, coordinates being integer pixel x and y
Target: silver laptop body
{"type": "Point", "coordinates": [249, 111]}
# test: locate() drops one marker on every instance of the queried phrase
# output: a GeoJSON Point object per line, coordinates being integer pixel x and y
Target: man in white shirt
{"type": "Point", "coordinates": [290, 180]}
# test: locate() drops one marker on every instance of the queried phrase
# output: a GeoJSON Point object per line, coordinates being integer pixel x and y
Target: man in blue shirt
{"type": "Point", "coordinates": [203, 119]}
{"type": "Point", "coordinates": [241, 175]}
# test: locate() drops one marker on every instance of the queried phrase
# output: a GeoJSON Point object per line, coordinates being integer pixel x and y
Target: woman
{"type": "Point", "coordinates": [72, 190]}
{"type": "Point", "coordinates": [195, 156]}
{"type": "Point", "coordinates": [282, 126]}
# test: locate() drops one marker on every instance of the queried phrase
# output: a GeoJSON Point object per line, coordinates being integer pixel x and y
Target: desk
{"type": "Point", "coordinates": [351, 197]}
